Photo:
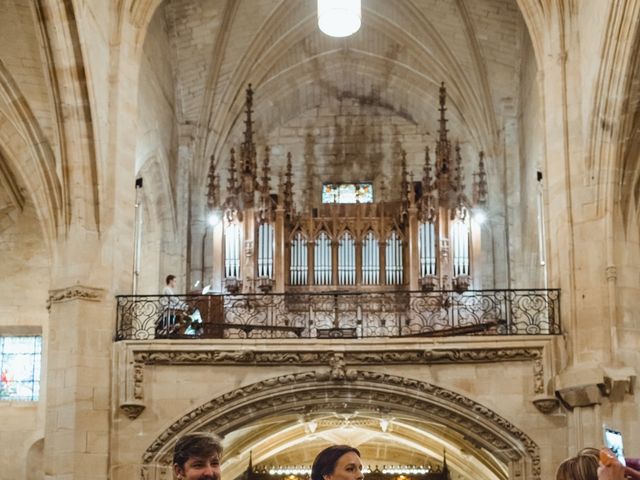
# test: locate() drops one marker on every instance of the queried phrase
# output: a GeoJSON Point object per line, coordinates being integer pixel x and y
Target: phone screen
{"type": "Point", "coordinates": [613, 441]}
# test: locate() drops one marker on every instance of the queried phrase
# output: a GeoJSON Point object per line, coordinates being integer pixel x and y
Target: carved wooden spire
{"type": "Point", "coordinates": [248, 144]}
{"type": "Point", "coordinates": [231, 204]}
{"type": "Point", "coordinates": [458, 181]}
{"type": "Point", "coordinates": [404, 182]}
{"type": "Point", "coordinates": [443, 145]}
{"type": "Point", "coordinates": [481, 190]}
{"type": "Point", "coordinates": [428, 201]}
{"type": "Point", "coordinates": [232, 187]}
{"type": "Point", "coordinates": [288, 187]}
{"type": "Point", "coordinates": [427, 177]}
{"type": "Point", "coordinates": [265, 189]}
{"type": "Point", "coordinates": [213, 186]}
{"type": "Point", "coordinates": [248, 157]}
{"type": "Point", "coordinates": [461, 200]}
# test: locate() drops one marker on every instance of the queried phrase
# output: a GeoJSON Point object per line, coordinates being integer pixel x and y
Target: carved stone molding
{"type": "Point", "coordinates": [76, 292]}
{"type": "Point", "coordinates": [618, 382]}
{"type": "Point", "coordinates": [546, 405]}
{"type": "Point", "coordinates": [353, 389]}
{"type": "Point", "coordinates": [611, 272]}
{"type": "Point", "coordinates": [338, 361]}
{"type": "Point", "coordinates": [587, 384]}
{"type": "Point", "coordinates": [379, 357]}
{"type": "Point", "coordinates": [133, 409]}
{"type": "Point", "coordinates": [538, 376]}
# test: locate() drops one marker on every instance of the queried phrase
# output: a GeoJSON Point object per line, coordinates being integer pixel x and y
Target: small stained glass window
{"type": "Point", "coordinates": [20, 368]}
{"type": "Point", "coordinates": [347, 193]}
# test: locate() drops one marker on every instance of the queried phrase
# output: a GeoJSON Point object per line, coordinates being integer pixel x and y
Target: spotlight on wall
{"type": "Point", "coordinates": [339, 18]}
{"type": "Point", "coordinates": [214, 218]}
{"type": "Point", "coordinates": [479, 216]}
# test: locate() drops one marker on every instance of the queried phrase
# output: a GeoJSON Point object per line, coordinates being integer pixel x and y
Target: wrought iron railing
{"type": "Point", "coordinates": [340, 315]}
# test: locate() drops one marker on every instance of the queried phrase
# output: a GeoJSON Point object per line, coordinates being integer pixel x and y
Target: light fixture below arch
{"type": "Point", "coordinates": [339, 18]}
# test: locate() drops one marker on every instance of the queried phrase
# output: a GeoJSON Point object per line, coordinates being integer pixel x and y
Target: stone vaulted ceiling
{"type": "Point", "coordinates": [396, 61]}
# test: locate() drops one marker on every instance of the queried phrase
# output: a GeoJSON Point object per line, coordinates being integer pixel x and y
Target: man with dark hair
{"type": "Point", "coordinates": [196, 456]}
{"type": "Point", "coordinates": [170, 284]}
{"type": "Point", "coordinates": [174, 310]}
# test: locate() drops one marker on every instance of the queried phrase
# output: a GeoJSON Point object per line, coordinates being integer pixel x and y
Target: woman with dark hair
{"type": "Point", "coordinates": [337, 462]}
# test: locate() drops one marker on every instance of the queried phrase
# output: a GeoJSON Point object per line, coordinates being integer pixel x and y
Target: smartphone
{"type": "Point", "coordinates": [613, 441]}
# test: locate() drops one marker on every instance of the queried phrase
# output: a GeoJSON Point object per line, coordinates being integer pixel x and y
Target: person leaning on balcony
{"type": "Point", "coordinates": [169, 290]}
{"type": "Point", "coordinates": [337, 462]}
{"type": "Point", "coordinates": [196, 456]}
{"type": "Point", "coordinates": [173, 312]}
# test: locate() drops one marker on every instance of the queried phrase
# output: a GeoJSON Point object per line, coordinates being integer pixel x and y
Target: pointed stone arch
{"type": "Point", "coordinates": [345, 388]}
{"type": "Point", "coordinates": [28, 155]}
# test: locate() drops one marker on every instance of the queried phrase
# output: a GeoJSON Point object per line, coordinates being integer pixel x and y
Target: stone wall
{"type": "Point", "coordinates": [181, 387]}
{"type": "Point", "coordinates": [525, 252]}
{"type": "Point", "coordinates": [24, 289]}
{"type": "Point", "coordinates": [156, 161]}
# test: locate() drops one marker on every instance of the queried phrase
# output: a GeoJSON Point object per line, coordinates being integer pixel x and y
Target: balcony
{"type": "Point", "coordinates": [339, 315]}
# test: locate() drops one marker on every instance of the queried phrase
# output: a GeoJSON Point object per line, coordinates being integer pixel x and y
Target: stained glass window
{"type": "Point", "coordinates": [20, 368]}
{"type": "Point", "coordinates": [347, 193]}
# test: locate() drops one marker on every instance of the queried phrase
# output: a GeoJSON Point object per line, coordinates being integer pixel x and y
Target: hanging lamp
{"type": "Point", "coordinates": [339, 18]}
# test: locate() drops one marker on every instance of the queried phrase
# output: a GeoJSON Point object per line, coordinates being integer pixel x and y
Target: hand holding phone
{"type": "Point", "coordinates": [613, 441]}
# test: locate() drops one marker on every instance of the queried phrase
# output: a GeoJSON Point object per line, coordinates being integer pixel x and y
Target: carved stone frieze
{"type": "Point", "coordinates": [358, 390]}
{"type": "Point", "coordinates": [538, 376]}
{"type": "Point", "coordinates": [386, 357]}
{"type": "Point", "coordinates": [76, 292]}
{"type": "Point", "coordinates": [138, 381]}
{"type": "Point", "coordinates": [337, 361]}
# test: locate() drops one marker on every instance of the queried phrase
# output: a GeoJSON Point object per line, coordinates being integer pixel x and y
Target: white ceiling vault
{"type": "Point", "coordinates": [397, 60]}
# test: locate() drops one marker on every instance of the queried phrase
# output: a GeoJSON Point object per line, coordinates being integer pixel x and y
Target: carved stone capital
{"type": "Point", "coordinates": [546, 404]}
{"type": "Point", "coordinates": [580, 386]}
{"type": "Point", "coordinates": [585, 385]}
{"type": "Point", "coordinates": [618, 382]}
{"type": "Point", "coordinates": [132, 409]}
{"type": "Point", "coordinates": [76, 292]}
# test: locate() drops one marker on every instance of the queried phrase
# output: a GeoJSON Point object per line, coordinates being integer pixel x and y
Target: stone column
{"type": "Point", "coordinates": [92, 258]}
{"type": "Point", "coordinates": [577, 228]}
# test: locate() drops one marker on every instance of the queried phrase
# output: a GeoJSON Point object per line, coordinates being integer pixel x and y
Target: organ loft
{"type": "Point", "coordinates": [422, 238]}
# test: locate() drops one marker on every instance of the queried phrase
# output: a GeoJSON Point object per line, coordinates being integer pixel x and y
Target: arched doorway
{"type": "Point", "coordinates": [480, 442]}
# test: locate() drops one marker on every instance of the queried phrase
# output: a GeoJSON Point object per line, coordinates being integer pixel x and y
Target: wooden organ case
{"type": "Point", "coordinates": [422, 240]}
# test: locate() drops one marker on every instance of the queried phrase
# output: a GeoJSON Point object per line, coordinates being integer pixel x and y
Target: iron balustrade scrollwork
{"type": "Point", "coordinates": [339, 314]}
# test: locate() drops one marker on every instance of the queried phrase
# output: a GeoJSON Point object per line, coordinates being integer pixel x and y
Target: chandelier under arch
{"type": "Point", "coordinates": [339, 18]}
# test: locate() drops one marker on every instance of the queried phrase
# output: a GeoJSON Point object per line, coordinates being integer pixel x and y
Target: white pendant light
{"type": "Point", "coordinates": [339, 18]}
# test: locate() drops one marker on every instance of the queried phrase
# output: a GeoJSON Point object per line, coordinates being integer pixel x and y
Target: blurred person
{"type": "Point", "coordinates": [611, 469]}
{"type": "Point", "coordinates": [584, 466]}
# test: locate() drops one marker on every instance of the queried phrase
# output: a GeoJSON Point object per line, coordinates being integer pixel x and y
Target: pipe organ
{"type": "Point", "coordinates": [423, 239]}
